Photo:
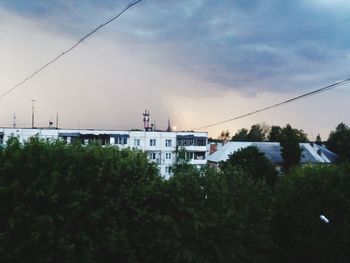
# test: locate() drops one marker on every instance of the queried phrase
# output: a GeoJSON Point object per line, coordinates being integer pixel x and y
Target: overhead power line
{"type": "Point", "coordinates": [69, 49]}
{"type": "Point", "coordinates": [308, 94]}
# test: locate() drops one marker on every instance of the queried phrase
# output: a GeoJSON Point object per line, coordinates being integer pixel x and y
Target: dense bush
{"type": "Point", "coordinates": [69, 203]}
{"type": "Point", "coordinates": [73, 203]}
{"type": "Point", "coordinates": [301, 197]}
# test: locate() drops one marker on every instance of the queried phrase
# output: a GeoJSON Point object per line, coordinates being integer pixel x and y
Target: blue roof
{"type": "Point", "coordinates": [311, 153]}
{"type": "Point", "coordinates": [272, 151]}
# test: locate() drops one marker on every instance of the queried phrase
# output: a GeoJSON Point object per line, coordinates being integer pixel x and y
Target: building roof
{"type": "Point", "coordinates": [311, 152]}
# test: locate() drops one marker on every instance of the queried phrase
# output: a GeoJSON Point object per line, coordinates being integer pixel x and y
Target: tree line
{"type": "Point", "coordinates": [338, 140]}
{"type": "Point", "coordinates": [72, 203]}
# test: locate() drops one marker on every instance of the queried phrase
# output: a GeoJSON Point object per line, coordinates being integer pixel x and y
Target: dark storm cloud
{"type": "Point", "coordinates": [242, 45]}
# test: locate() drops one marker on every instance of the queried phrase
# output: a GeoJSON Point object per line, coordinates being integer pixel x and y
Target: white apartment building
{"type": "Point", "coordinates": [160, 146]}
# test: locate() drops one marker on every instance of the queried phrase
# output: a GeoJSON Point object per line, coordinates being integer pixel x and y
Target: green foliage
{"type": "Point", "coordinates": [74, 203]}
{"type": "Point", "coordinates": [241, 135]}
{"type": "Point", "coordinates": [318, 140]}
{"type": "Point", "coordinates": [182, 156]}
{"type": "Point", "coordinates": [301, 197]}
{"type": "Point", "coordinates": [220, 217]}
{"type": "Point", "coordinates": [69, 203]}
{"type": "Point", "coordinates": [339, 141]}
{"type": "Point", "coordinates": [290, 149]}
{"type": "Point", "coordinates": [274, 134]}
{"type": "Point", "coordinates": [253, 163]}
{"type": "Point", "coordinates": [255, 134]}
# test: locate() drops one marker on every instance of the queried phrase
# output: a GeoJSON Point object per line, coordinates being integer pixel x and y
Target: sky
{"type": "Point", "coordinates": [194, 62]}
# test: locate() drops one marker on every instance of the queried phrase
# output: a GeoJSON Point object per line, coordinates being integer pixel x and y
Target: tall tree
{"type": "Point", "coordinates": [290, 149]}
{"type": "Point", "coordinates": [339, 141]}
{"type": "Point", "coordinates": [256, 133]}
{"type": "Point", "coordinates": [318, 140]}
{"type": "Point", "coordinates": [240, 135]}
{"type": "Point", "coordinates": [274, 134]}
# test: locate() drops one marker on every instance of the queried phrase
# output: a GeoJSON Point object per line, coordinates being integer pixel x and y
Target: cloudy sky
{"type": "Point", "coordinates": [193, 61]}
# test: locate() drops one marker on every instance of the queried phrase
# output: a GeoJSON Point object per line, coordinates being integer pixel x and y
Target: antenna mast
{"type": "Point", "coordinates": [56, 120]}
{"type": "Point", "coordinates": [14, 120]}
{"type": "Point", "coordinates": [33, 102]}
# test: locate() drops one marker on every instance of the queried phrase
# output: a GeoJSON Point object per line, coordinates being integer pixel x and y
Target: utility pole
{"type": "Point", "coordinates": [33, 102]}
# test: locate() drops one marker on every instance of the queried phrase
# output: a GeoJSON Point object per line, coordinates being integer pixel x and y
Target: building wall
{"type": "Point", "coordinates": [161, 147]}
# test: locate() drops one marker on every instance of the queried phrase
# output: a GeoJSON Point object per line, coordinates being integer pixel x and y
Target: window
{"type": "Point", "coordinates": [136, 142]}
{"type": "Point", "coordinates": [152, 155]}
{"type": "Point", "coordinates": [199, 155]}
{"type": "Point", "coordinates": [200, 141]}
{"type": "Point", "coordinates": [152, 142]}
{"type": "Point", "coordinates": [185, 142]}
{"type": "Point", "coordinates": [192, 141]}
{"type": "Point", "coordinates": [168, 143]}
{"type": "Point", "coordinates": [105, 140]}
{"type": "Point", "coordinates": [168, 169]}
{"type": "Point", "coordinates": [122, 140]}
{"type": "Point", "coordinates": [168, 156]}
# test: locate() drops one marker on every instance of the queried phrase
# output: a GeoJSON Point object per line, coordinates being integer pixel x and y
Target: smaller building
{"type": "Point", "coordinates": [311, 153]}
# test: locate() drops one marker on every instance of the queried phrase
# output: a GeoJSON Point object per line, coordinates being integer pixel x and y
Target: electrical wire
{"type": "Point", "coordinates": [308, 94]}
{"type": "Point", "coordinates": [68, 50]}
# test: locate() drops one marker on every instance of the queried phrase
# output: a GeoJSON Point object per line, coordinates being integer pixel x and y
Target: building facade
{"type": "Point", "coordinates": [160, 146]}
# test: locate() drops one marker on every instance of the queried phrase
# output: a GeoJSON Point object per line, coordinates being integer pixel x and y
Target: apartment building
{"type": "Point", "coordinates": [161, 146]}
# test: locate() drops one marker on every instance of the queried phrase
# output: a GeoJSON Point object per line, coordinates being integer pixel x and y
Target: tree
{"type": "Point", "coordinates": [290, 149]}
{"type": "Point", "coordinates": [224, 135]}
{"type": "Point", "coordinates": [74, 203]}
{"type": "Point", "coordinates": [240, 135]}
{"type": "Point", "coordinates": [256, 133]}
{"type": "Point", "coordinates": [301, 135]}
{"type": "Point", "coordinates": [318, 140]}
{"type": "Point", "coordinates": [253, 163]}
{"type": "Point", "coordinates": [71, 203]}
{"type": "Point", "coordinates": [247, 217]}
{"type": "Point", "coordinates": [274, 134]}
{"type": "Point", "coordinates": [301, 196]}
{"type": "Point", "coordinates": [339, 141]}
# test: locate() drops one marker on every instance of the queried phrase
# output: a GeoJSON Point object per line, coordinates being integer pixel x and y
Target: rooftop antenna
{"type": "Point", "coordinates": [33, 103]}
{"type": "Point", "coordinates": [56, 120]}
{"type": "Point", "coordinates": [14, 120]}
{"type": "Point", "coordinates": [146, 120]}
